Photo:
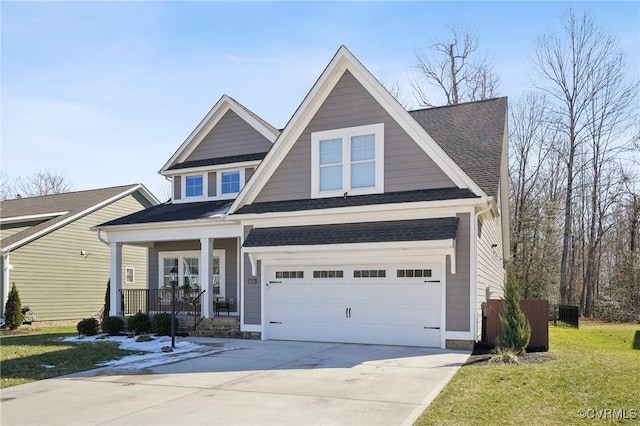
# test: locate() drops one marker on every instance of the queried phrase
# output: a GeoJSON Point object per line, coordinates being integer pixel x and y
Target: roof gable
{"type": "Point", "coordinates": [345, 61]}
{"type": "Point", "coordinates": [62, 208]}
{"type": "Point", "coordinates": [225, 110]}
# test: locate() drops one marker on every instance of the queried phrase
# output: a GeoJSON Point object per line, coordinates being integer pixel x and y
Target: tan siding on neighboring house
{"type": "Point", "coordinates": [490, 274]}
{"type": "Point", "coordinates": [407, 167]}
{"type": "Point", "coordinates": [57, 282]}
{"type": "Point", "coordinates": [8, 230]}
{"type": "Point", "coordinates": [458, 284]}
{"type": "Point", "coordinates": [230, 136]}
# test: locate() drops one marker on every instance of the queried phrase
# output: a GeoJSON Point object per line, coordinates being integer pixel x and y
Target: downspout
{"type": "Point", "coordinates": [101, 239]}
{"type": "Point", "coordinates": [474, 276]}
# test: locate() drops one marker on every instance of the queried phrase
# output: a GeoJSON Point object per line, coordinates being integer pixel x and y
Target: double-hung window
{"type": "Point", "coordinates": [194, 186]}
{"type": "Point", "coordinates": [348, 161]}
{"type": "Point", "coordinates": [230, 182]}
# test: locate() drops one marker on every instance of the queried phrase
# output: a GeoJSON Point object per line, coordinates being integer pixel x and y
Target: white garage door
{"type": "Point", "coordinates": [382, 304]}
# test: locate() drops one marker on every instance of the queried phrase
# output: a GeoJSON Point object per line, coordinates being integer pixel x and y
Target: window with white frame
{"type": "Point", "coordinates": [129, 275]}
{"type": "Point", "coordinates": [194, 186]}
{"type": "Point", "coordinates": [183, 268]}
{"type": "Point", "coordinates": [230, 182]}
{"type": "Point", "coordinates": [349, 160]}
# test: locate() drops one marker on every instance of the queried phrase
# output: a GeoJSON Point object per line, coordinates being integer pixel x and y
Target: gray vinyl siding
{"type": "Point", "coordinates": [458, 284]}
{"type": "Point", "coordinates": [407, 166]}
{"type": "Point", "coordinates": [230, 136]}
{"type": "Point", "coordinates": [229, 245]}
{"type": "Point", "coordinates": [212, 183]}
{"type": "Point", "coordinates": [252, 291]}
{"type": "Point", "coordinates": [60, 284]}
{"type": "Point", "coordinates": [490, 271]}
{"type": "Point", "coordinates": [177, 187]}
{"type": "Point", "coordinates": [248, 172]}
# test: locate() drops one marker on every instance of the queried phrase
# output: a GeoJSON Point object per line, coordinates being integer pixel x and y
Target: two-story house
{"type": "Point", "coordinates": [358, 222]}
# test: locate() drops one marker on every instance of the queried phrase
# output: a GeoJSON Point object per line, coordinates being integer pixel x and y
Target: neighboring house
{"type": "Point", "coordinates": [53, 257]}
{"type": "Point", "coordinates": [358, 222]}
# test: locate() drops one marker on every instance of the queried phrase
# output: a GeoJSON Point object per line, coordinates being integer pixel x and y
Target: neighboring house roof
{"type": "Point", "coordinates": [472, 135]}
{"type": "Point", "coordinates": [67, 207]}
{"type": "Point", "coordinates": [217, 161]}
{"type": "Point", "coordinates": [168, 212]}
{"type": "Point", "coordinates": [402, 230]}
{"type": "Point", "coordinates": [358, 200]}
{"type": "Point", "coordinates": [223, 105]}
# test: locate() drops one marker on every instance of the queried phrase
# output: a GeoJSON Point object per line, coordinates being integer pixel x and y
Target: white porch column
{"type": "Point", "coordinates": [115, 279]}
{"type": "Point", "coordinates": [206, 276]}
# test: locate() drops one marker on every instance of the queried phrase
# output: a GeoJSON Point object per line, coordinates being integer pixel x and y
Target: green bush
{"type": "Point", "coordinates": [162, 324]}
{"type": "Point", "coordinates": [113, 325]}
{"type": "Point", "coordinates": [139, 323]}
{"type": "Point", "coordinates": [516, 330]}
{"type": "Point", "coordinates": [107, 303]}
{"type": "Point", "coordinates": [13, 315]}
{"type": "Point", "coordinates": [88, 327]}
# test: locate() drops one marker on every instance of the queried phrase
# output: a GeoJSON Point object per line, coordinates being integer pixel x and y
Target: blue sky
{"type": "Point", "coordinates": [105, 92]}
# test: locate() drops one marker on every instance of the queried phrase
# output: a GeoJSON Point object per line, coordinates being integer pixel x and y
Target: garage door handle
{"type": "Point", "coordinates": [346, 312]}
{"type": "Point", "coordinates": [275, 322]}
{"type": "Point", "coordinates": [275, 282]}
{"type": "Point", "coordinates": [431, 281]}
{"type": "Point", "coordinates": [431, 328]}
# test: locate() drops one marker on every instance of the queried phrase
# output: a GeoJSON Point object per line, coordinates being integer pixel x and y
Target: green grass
{"type": "Point", "coordinates": [22, 356]}
{"type": "Point", "coordinates": [596, 367]}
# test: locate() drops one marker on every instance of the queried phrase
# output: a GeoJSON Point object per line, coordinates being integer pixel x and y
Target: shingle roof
{"type": "Point", "coordinates": [358, 200]}
{"type": "Point", "coordinates": [471, 134]}
{"type": "Point", "coordinates": [220, 160]}
{"type": "Point", "coordinates": [403, 230]}
{"type": "Point", "coordinates": [168, 212]}
{"type": "Point", "coordinates": [71, 203]}
{"type": "Point", "coordinates": [260, 119]}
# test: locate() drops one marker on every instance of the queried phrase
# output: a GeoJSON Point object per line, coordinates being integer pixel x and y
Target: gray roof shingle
{"type": "Point", "coordinates": [220, 160]}
{"type": "Point", "coordinates": [70, 203]}
{"type": "Point", "coordinates": [402, 230]}
{"type": "Point", "coordinates": [358, 200]}
{"type": "Point", "coordinates": [471, 134]}
{"type": "Point", "coordinates": [168, 212]}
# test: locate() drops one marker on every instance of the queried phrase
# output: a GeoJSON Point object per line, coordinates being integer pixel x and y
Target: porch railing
{"type": "Point", "coordinates": [155, 301]}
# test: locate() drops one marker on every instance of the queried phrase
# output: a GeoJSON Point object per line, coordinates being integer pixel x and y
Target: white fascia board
{"type": "Point", "coordinates": [333, 248]}
{"type": "Point", "coordinates": [70, 219]}
{"type": "Point", "coordinates": [328, 214]}
{"type": "Point", "coordinates": [218, 111]}
{"type": "Point", "coordinates": [216, 167]}
{"type": "Point", "coordinates": [173, 234]}
{"type": "Point", "coordinates": [30, 218]}
{"type": "Point", "coordinates": [341, 62]}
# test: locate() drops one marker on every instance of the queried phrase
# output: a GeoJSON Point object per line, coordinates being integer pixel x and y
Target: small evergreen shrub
{"type": "Point", "coordinates": [139, 323]}
{"type": "Point", "coordinates": [107, 303]}
{"type": "Point", "coordinates": [516, 330]}
{"type": "Point", "coordinates": [13, 309]}
{"type": "Point", "coordinates": [88, 327]}
{"type": "Point", "coordinates": [113, 325]}
{"type": "Point", "coordinates": [161, 324]}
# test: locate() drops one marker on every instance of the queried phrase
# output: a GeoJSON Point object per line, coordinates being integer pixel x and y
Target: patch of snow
{"type": "Point", "coordinates": [153, 354]}
{"type": "Point", "coordinates": [47, 366]}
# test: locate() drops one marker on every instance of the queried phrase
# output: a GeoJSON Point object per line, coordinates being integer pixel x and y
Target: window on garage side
{"type": "Point", "coordinates": [369, 273]}
{"type": "Point", "coordinates": [414, 273]}
{"type": "Point", "coordinates": [289, 274]}
{"type": "Point", "coordinates": [332, 273]}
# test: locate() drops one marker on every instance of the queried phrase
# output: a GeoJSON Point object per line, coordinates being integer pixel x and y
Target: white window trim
{"type": "Point", "coordinates": [126, 275]}
{"type": "Point", "coordinates": [345, 134]}
{"type": "Point", "coordinates": [219, 194]}
{"type": "Point", "coordinates": [192, 253]}
{"type": "Point", "coordinates": [205, 187]}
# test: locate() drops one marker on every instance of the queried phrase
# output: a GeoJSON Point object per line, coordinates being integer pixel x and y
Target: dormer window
{"type": "Point", "coordinates": [194, 186]}
{"type": "Point", "coordinates": [349, 160]}
{"type": "Point", "coordinates": [230, 182]}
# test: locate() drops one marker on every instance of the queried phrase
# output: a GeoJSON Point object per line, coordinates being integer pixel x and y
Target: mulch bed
{"type": "Point", "coordinates": [482, 354]}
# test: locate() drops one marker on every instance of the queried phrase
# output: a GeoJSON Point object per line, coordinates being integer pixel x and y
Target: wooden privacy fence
{"type": "Point", "coordinates": [536, 312]}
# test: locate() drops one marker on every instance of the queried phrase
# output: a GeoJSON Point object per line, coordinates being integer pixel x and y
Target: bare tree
{"type": "Point", "coordinates": [579, 68]}
{"type": "Point", "coordinates": [6, 188]}
{"type": "Point", "coordinates": [395, 89]}
{"type": "Point", "coordinates": [42, 183]}
{"type": "Point", "coordinates": [448, 65]}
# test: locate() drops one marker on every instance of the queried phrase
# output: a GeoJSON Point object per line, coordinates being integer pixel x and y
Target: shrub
{"type": "Point", "coordinates": [515, 327]}
{"type": "Point", "coordinates": [107, 303]}
{"type": "Point", "coordinates": [113, 325]}
{"type": "Point", "coordinates": [504, 357]}
{"type": "Point", "coordinates": [162, 324]}
{"type": "Point", "coordinates": [88, 327]}
{"type": "Point", "coordinates": [13, 309]}
{"type": "Point", "coordinates": [139, 323]}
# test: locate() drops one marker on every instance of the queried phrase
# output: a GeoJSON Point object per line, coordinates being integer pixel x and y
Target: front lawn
{"type": "Point", "coordinates": [36, 354]}
{"type": "Point", "coordinates": [596, 368]}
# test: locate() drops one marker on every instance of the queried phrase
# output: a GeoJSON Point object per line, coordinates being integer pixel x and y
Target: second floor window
{"type": "Point", "coordinates": [230, 182]}
{"type": "Point", "coordinates": [194, 186]}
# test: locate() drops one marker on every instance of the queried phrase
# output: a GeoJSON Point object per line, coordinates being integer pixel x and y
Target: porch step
{"type": "Point", "coordinates": [224, 327]}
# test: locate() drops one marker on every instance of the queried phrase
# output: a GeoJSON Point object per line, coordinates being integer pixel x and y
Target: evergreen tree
{"type": "Point", "coordinates": [13, 309]}
{"type": "Point", "coordinates": [107, 302]}
{"type": "Point", "coordinates": [516, 330]}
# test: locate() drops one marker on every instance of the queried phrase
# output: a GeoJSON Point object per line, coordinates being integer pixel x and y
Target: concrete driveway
{"type": "Point", "coordinates": [247, 383]}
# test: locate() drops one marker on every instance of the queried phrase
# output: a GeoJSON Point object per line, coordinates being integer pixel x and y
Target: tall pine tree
{"type": "Point", "coordinates": [516, 330]}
